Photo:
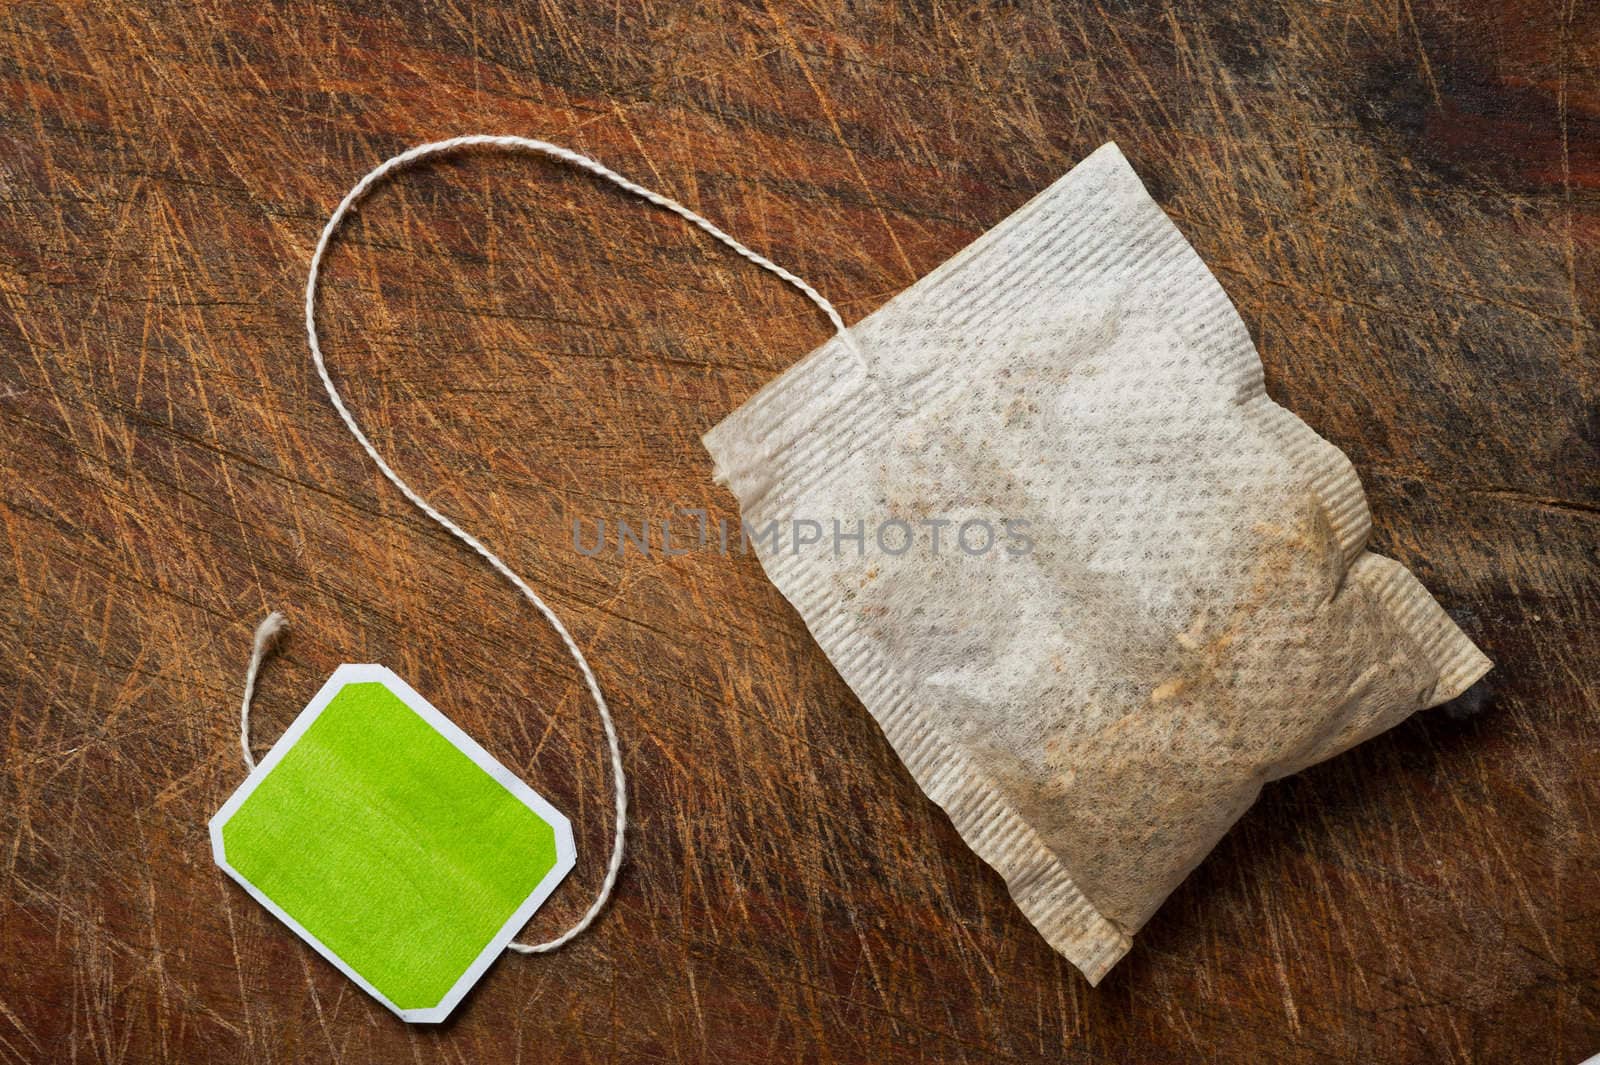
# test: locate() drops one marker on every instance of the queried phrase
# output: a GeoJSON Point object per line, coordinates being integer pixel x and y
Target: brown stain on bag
{"type": "Point", "coordinates": [1136, 805]}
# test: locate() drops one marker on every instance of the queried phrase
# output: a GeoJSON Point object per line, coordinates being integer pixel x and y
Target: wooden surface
{"type": "Point", "coordinates": [1402, 196]}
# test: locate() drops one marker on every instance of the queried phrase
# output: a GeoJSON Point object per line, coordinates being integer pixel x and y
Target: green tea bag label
{"type": "Point", "coordinates": [392, 843]}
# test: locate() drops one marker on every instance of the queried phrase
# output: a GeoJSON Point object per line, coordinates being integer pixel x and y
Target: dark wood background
{"type": "Point", "coordinates": [1403, 197]}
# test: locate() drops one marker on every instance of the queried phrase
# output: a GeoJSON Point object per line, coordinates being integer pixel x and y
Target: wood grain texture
{"type": "Point", "coordinates": [1402, 197]}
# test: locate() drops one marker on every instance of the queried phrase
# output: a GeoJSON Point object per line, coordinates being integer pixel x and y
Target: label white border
{"type": "Point", "coordinates": [565, 854]}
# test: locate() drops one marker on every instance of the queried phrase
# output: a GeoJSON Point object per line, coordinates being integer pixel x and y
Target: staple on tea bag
{"type": "Point", "coordinates": [1198, 613]}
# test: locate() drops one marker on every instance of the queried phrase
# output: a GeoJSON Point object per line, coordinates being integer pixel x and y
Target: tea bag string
{"type": "Point", "coordinates": [267, 633]}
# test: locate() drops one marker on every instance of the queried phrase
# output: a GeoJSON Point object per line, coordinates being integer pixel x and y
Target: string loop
{"type": "Point", "coordinates": [269, 628]}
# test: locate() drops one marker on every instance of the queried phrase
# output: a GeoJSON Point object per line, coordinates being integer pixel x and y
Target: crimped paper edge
{"type": "Point", "coordinates": [1457, 661]}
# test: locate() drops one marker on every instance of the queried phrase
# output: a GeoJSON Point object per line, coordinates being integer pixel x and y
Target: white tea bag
{"type": "Point", "coordinates": [1182, 607]}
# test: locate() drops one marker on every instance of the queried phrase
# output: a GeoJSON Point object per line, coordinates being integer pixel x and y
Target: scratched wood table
{"type": "Point", "coordinates": [1402, 198]}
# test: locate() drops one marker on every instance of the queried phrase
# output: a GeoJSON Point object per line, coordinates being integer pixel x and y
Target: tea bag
{"type": "Point", "coordinates": [1196, 613]}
